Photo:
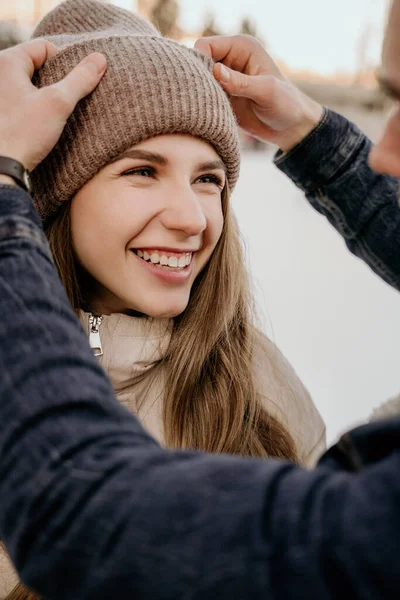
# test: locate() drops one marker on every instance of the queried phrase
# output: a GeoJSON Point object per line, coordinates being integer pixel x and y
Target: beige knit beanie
{"type": "Point", "coordinates": [152, 86]}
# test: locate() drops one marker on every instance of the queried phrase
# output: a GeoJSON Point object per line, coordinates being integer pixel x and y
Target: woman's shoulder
{"type": "Point", "coordinates": [8, 576]}
{"type": "Point", "coordinates": [285, 396]}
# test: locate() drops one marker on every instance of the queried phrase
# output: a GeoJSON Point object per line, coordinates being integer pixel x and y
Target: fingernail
{"type": "Point", "coordinates": [98, 61]}
{"type": "Point", "coordinates": [225, 74]}
{"type": "Point", "coordinates": [202, 47]}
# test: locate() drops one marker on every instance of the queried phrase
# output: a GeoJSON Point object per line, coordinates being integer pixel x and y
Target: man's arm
{"type": "Point", "coordinates": [331, 166]}
{"type": "Point", "coordinates": [92, 507]}
{"type": "Point", "coordinates": [324, 154]}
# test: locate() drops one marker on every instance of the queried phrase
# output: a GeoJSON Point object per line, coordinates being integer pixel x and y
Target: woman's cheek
{"type": "Point", "coordinates": [215, 219]}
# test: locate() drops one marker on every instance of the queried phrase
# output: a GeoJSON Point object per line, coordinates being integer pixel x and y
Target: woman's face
{"type": "Point", "coordinates": [146, 225]}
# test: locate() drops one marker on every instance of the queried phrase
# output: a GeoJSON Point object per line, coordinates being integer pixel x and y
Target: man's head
{"type": "Point", "coordinates": [385, 156]}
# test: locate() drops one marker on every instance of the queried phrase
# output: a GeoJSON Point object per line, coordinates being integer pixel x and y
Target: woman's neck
{"type": "Point", "coordinates": [102, 307]}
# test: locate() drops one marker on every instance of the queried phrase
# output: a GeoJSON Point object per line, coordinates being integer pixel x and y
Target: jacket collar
{"type": "Point", "coordinates": [131, 345]}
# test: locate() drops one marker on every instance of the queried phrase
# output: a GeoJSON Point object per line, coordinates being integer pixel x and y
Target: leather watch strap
{"type": "Point", "coordinates": [14, 169]}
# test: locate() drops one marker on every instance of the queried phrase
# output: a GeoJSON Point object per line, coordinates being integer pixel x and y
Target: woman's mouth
{"type": "Point", "coordinates": [171, 261]}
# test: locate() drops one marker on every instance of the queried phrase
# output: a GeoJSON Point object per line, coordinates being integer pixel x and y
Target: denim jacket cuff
{"type": "Point", "coordinates": [334, 138]}
{"type": "Point", "coordinates": [19, 218]}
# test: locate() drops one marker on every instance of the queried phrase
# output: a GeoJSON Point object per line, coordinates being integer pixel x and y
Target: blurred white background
{"type": "Point", "coordinates": [335, 320]}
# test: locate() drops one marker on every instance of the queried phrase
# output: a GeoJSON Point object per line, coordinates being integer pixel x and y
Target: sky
{"type": "Point", "coordinates": [320, 35]}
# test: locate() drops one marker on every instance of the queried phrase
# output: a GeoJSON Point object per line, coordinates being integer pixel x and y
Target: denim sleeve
{"type": "Point", "coordinates": [331, 166]}
{"type": "Point", "coordinates": [93, 509]}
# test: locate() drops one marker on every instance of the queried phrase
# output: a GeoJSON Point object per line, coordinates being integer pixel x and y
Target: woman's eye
{"type": "Point", "coordinates": [211, 178]}
{"type": "Point", "coordinates": [141, 171]}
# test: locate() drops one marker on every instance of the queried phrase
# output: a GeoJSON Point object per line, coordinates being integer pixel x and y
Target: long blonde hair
{"type": "Point", "coordinates": [210, 401]}
{"type": "Point", "coordinates": [21, 592]}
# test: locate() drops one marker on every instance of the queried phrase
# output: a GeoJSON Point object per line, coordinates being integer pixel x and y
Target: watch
{"type": "Point", "coordinates": [14, 169]}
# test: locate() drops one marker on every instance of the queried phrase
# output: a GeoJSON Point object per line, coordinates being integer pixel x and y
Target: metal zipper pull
{"type": "Point", "coordinates": [94, 335]}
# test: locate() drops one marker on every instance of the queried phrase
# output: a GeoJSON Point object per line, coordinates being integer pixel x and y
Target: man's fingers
{"type": "Point", "coordinates": [255, 88]}
{"type": "Point", "coordinates": [203, 46]}
{"type": "Point", "coordinates": [33, 54]}
{"type": "Point", "coordinates": [217, 46]}
{"type": "Point", "coordinates": [242, 53]}
{"type": "Point", "coordinates": [80, 82]}
{"type": "Point", "coordinates": [236, 51]}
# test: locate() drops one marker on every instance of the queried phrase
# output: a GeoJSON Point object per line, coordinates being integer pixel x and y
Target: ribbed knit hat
{"type": "Point", "coordinates": [152, 86]}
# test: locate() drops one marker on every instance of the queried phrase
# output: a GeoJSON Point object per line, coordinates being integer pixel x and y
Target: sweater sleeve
{"type": "Point", "coordinates": [92, 508]}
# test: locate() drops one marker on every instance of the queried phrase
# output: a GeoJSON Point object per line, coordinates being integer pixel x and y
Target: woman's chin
{"type": "Point", "coordinates": [158, 306]}
{"type": "Point", "coordinates": [164, 314]}
{"type": "Point", "coordinates": [158, 311]}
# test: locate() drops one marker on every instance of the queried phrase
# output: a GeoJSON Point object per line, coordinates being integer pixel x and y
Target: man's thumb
{"type": "Point", "coordinates": [238, 84]}
{"type": "Point", "coordinates": [78, 83]}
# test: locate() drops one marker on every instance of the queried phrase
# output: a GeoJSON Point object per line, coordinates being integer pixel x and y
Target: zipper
{"type": "Point", "coordinates": [94, 334]}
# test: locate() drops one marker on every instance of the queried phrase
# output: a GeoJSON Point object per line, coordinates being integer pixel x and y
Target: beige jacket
{"type": "Point", "coordinates": [132, 345]}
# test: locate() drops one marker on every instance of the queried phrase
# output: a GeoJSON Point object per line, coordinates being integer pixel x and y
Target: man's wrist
{"type": "Point", "coordinates": [313, 114]}
{"type": "Point", "coordinates": [10, 167]}
{"type": "Point", "coordinates": [335, 139]}
{"type": "Point", "coordinates": [6, 180]}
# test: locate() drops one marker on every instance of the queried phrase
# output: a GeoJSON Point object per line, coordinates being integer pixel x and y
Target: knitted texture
{"type": "Point", "coordinates": [152, 86]}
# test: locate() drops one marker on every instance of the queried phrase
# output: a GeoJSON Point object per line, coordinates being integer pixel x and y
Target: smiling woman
{"type": "Point", "coordinates": [158, 232]}
{"type": "Point", "coordinates": [135, 201]}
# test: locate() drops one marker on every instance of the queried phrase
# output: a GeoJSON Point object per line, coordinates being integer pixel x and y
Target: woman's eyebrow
{"type": "Point", "coordinates": [212, 165]}
{"type": "Point", "coordinates": [142, 155]}
{"type": "Point", "coordinates": [159, 159]}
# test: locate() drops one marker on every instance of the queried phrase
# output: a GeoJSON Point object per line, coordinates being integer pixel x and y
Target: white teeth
{"type": "Point", "coordinates": [173, 261]}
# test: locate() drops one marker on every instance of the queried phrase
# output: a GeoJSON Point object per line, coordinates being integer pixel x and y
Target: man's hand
{"type": "Point", "coordinates": [266, 104]}
{"type": "Point", "coordinates": [31, 119]}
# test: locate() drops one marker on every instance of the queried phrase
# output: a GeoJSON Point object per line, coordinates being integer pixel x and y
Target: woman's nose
{"type": "Point", "coordinates": [183, 212]}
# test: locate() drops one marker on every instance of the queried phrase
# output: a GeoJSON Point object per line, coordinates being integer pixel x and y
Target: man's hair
{"type": "Point", "coordinates": [10, 35]}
